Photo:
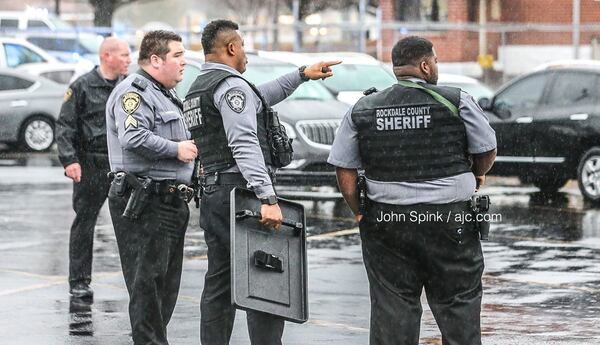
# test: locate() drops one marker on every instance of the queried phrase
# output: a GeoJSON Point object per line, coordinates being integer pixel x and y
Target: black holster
{"type": "Point", "coordinates": [139, 198]}
{"type": "Point", "coordinates": [138, 189]}
{"type": "Point", "coordinates": [480, 205]}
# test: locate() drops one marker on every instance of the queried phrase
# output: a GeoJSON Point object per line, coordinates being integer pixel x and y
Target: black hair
{"type": "Point", "coordinates": [211, 33]}
{"type": "Point", "coordinates": [411, 51]}
{"type": "Point", "coordinates": [156, 43]}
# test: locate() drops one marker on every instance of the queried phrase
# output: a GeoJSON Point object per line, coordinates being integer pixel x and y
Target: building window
{"type": "Point", "coordinates": [422, 10]}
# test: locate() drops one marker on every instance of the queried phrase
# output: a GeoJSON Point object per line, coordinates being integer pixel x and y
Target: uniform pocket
{"type": "Point", "coordinates": [169, 125]}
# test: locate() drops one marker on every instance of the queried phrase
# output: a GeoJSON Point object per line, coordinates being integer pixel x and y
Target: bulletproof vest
{"type": "Point", "coordinates": [405, 134]}
{"type": "Point", "coordinates": [206, 124]}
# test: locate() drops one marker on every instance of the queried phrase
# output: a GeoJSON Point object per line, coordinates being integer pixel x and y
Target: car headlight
{"type": "Point", "coordinates": [291, 133]}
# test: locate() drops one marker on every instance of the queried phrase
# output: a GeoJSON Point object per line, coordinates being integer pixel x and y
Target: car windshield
{"type": "Point", "coordinates": [353, 77]}
{"type": "Point", "coordinates": [259, 74]}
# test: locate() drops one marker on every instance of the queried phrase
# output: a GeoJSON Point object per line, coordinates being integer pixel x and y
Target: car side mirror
{"type": "Point", "coordinates": [485, 103]}
{"type": "Point", "coordinates": [502, 113]}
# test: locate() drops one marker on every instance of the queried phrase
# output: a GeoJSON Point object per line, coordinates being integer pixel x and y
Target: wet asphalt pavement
{"type": "Point", "coordinates": [541, 282]}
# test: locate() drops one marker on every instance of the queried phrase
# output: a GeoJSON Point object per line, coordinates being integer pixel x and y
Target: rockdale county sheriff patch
{"type": "Point", "coordinates": [403, 118]}
{"type": "Point", "coordinates": [236, 100]}
{"type": "Point", "coordinates": [192, 113]}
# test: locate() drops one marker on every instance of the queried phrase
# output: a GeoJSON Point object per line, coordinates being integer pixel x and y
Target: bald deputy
{"type": "Point", "coordinates": [82, 150]}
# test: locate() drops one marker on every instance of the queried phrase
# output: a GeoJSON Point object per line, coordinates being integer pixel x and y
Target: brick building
{"type": "Point", "coordinates": [509, 16]}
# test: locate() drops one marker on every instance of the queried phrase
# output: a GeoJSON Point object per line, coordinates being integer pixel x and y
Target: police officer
{"type": "Point", "coordinates": [423, 147]}
{"type": "Point", "coordinates": [152, 157]}
{"type": "Point", "coordinates": [229, 114]}
{"type": "Point", "coordinates": [81, 139]}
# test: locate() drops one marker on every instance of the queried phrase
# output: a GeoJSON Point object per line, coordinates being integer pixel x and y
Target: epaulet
{"type": "Point", "coordinates": [369, 91]}
{"type": "Point", "coordinates": [140, 84]}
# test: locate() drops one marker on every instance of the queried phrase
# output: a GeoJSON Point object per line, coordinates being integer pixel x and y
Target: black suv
{"type": "Point", "coordinates": [548, 127]}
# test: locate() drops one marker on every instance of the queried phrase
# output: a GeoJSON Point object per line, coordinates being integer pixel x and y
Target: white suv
{"type": "Point", "coordinates": [12, 21]}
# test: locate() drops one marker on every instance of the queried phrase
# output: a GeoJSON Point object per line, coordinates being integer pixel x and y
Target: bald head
{"type": "Point", "coordinates": [110, 45]}
{"type": "Point", "coordinates": [114, 57]}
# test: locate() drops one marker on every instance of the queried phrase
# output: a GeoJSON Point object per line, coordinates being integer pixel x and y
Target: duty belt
{"type": "Point", "coordinates": [217, 178]}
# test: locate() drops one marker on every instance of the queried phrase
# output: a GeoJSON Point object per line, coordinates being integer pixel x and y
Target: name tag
{"type": "Point", "coordinates": [403, 118]}
{"type": "Point", "coordinates": [192, 113]}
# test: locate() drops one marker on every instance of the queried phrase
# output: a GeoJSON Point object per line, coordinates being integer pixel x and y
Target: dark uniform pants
{"type": "Point", "coordinates": [88, 197]}
{"type": "Point", "coordinates": [216, 311]}
{"type": "Point", "coordinates": [402, 257]}
{"type": "Point", "coordinates": [151, 251]}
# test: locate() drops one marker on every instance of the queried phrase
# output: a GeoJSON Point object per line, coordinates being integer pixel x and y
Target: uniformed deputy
{"type": "Point", "coordinates": [230, 114]}
{"type": "Point", "coordinates": [81, 141]}
{"type": "Point", "coordinates": [422, 147]}
{"type": "Point", "coordinates": [151, 156]}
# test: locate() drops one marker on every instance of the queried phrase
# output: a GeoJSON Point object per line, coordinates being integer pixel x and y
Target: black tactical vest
{"type": "Point", "coordinates": [404, 134]}
{"type": "Point", "coordinates": [206, 124]}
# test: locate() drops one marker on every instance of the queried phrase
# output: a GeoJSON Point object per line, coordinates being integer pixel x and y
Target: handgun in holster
{"type": "Point", "coordinates": [362, 193]}
{"type": "Point", "coordinates": [281, 145]}
{"type": "Point", "coordinates": [139, 198]}
{"type": "Point", "coordinates": [480, 204]}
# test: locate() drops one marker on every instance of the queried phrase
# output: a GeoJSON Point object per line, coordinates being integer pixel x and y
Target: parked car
{"type": "Point", "coordinates": [15, 52]}
{"type": "Point", "coordinates": [29, 107]}
{"type": "Point", "coordinates": [470, 85]}
{"type": "Point", "coordinates": [56, 71]}
{"type": "Point", "coordinates": [547, 125]}
{"type": "Point", "coordinates": [33, 20]}
{"type": "Point", "coordinates": [311, 116]}
{"type": "Point", "coordinates": [357, 73]}
{"type": "Point", "coordinates": [68, 47]}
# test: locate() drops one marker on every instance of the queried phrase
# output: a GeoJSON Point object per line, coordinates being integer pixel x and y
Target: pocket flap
{"type": "Point", "coordinates": [168, 115]}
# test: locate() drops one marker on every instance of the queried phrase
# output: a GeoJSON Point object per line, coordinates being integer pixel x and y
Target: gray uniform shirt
{"type": "Point", "coordinates": [238, 105]}
{"type": "Point", "coordinates": [143, 129]}
{"type": "Point", "coordinates": [480, 138]}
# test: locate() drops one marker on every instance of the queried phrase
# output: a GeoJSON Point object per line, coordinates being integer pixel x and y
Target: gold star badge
{"type": "Point", "coordinates": [68, 94]}
{"type": "Point", "coordinates": [130, 102]}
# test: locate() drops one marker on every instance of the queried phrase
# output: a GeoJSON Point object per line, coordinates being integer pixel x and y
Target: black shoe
{"type": "Point", "coordinates": [82, 290]}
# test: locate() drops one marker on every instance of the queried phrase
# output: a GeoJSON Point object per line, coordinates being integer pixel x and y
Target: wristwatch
{"type": "Point", "coordinates": [270, 200]}
{"type": "Point", "coordinates": [302, 75]}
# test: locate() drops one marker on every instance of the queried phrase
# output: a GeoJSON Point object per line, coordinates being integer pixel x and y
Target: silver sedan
{"type": "Point", "coordinates": [29, 107]}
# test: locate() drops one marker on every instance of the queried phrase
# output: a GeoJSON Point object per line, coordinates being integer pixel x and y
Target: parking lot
{"type": "Point", "coordinates": [540, 282]}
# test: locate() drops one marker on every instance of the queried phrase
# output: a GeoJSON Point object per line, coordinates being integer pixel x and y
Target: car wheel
{"type": "Point", "coordinates": [546, 184]}
{"type": "Point", "coordinates": [37, 134]}
{"type": "Point", "coordinates": [588, 175]}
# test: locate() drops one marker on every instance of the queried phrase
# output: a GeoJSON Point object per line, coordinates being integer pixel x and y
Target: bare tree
{"type": "Point", "coordinates": [105, 9]}
{"type": "Point", "coordinates": [408, 10]}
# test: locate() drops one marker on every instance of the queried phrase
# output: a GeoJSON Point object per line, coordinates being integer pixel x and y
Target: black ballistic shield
{"type": "Point", "coordinates": [268, 267]}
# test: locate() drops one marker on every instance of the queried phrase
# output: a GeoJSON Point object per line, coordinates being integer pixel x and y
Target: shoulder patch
{"type": "Point", "coordinates": [236, 100]}
{"type": "Point", "coordinates": [130, 102]}
{"type": "Point", "coordinates": [68, 94]}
